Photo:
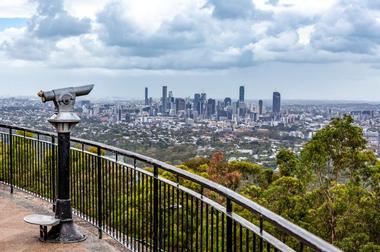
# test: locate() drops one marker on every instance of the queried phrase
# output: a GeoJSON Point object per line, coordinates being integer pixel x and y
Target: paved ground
{"type": "Point", "coordinates": [17, 236]}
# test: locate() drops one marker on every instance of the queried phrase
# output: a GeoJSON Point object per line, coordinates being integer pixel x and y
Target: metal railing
{"type": "Point", "coordinates": [145, 204]}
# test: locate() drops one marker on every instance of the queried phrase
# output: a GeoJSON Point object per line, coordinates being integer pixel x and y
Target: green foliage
{"type": "Point", "coordinates": [287, 162]}
{"type": "Point", "coordinates": [337, 152]}
{"type": "Point", "coordinates": [22, 133]}
{"type": "Point", "coordinates": [332, 189]}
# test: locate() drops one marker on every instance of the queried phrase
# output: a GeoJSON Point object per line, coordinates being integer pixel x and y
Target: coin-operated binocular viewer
{"type": "Point", "coordinates": [64, 119]}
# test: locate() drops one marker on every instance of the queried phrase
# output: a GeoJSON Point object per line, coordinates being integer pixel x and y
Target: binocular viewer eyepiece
{"type": "Point", "coordinates": [64, 117]}
{"type": "Point", "coordinates": [65, 95]}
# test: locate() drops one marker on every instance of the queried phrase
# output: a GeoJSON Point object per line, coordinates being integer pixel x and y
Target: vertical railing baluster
{"type": "Point", "coordinates": [241, 237]}
{"type": "Point", "coordinates": [201, 221]}
{"type": "Point", "coordinates": [100, 220]}
{"type": "Point", "coordinates": [229, 225]}
{"type": "Point", "coordinates": [155, 209]}
{"type": "Point", "coordinates": [301, 247]}
{"type": "Point", "coordinates": [247, 240]}
{"type": "Point", "coordinates": [10, 162]}
{"type": "Point", "coordinates": [136, 206]}
{"type": "Point", "coordinates": [125, 197]}
{"type": "Point", "coordinates": [261, 233]}
{"type": "Point", "coordinates": [206, 249]}
{"type": "Point", "coordinates": [53, 171]}
{"type": "Point", "coordinates": [24, 157]}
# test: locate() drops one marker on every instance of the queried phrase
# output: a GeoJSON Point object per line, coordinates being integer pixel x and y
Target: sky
{"type": "Point", "coordinates": [305, 49]}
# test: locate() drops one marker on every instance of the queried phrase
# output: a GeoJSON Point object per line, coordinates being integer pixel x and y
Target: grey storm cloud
{"type": "Point", "coordinates": [52, 20]}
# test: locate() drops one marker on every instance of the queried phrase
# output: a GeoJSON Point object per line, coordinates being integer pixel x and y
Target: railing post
{"type": "Point", "coordinates": [10, 173]}
{"type": "Point", "coordinates": [229, 225]}
{"type": "Point", "coordinates": [155, 209]}
{"type": "Point", "coordinates": [53, 177]}
{"type": "Point", "coordinates": [100, 214]}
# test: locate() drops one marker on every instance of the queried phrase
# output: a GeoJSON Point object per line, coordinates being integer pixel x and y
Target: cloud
{"type": "Point", "coordinates": [52, 20]}
{"type": "Point", "coordinates": [49, 24]}
{"type": "Point", "coordinates": [186, 38]}
{"type": "Point", "coordinates": [185, 35]}
{"type": "Point", "coordinates": [232, 9]}
{"type": "Point", "coordinates": [348, 28]}
{"type": "Point", "coordinates": [16, 9]}
{"type": "Point", "coordinates": [179, 33]}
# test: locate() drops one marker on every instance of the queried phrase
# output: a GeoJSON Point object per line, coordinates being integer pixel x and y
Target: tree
{"type": "Point", "coordinates": [336, 154]}
{"type": "Point", "coordinates": [286, 196]}
{"type": "Point", "coordinates": [287, 162]}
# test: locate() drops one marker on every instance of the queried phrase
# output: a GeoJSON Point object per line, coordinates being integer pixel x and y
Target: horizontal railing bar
{"type": "Point", "coordinates": [288, 227]}
{"type": "Point", "coordinates": [35, 131]}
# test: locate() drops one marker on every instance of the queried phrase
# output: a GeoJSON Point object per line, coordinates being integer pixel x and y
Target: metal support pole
{"type": "Point", "coordinates": [63, 198]}
{"type": "Point", "coordinates": [65, 231]}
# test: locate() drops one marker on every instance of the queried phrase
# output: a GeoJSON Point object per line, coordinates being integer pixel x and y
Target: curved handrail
{"type": "Point", "coordinates": [290, 228]}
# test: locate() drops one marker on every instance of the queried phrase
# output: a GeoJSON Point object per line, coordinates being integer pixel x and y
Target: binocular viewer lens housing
{"type": "Point", "coordinates": [61, 95]}
{"type": "Point", "coordinates": [64, 117]}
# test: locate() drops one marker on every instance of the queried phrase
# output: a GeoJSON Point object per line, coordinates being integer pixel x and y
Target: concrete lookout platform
{"type": "Point", "coordinates": [17, 236]}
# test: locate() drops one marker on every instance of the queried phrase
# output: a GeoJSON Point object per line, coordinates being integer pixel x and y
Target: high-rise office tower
{"type": "Point", "coordinates": [119, 115]}
{"type": "Point", "coordinates": [146, 97]}
{"type": "Point", "coordinates": [276, 102]}
{"type": "Point", "coordinates": [180, 104]}
{"type": "Point", "coordinates": [260, 107]}
{"type": "Point", "coordinates": [227, 102]}
{"type": "Point", "coordinates": [164, 98]}
{"type": "Point", "coordinates": [171, 95]}
{"type": "Point", "coordinates": [171, 101]}
{"type": "Point", "coordinates": [241, 94]}
{"type": "Point", "coordinates": [197, 103]}
{"type": "Point", "coordinates": [203, 103]}
{"type": "Point", "coordinates": [211, 105]}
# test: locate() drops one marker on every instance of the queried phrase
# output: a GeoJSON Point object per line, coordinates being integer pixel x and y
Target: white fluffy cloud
{"type": "Point", "coordinates": [184, 34]}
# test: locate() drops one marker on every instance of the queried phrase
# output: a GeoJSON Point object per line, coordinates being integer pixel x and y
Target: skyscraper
{"type": "Point", "coordinates": [197, 103]}
{"type": "Point", "coordinates": [203, 103]}
{"type": "Point", "coordinates": [276, 102]}
{"type": "Point", "coordinates": [164, 99]}
{"type": "Point", "coordinates": [146, 97]}
{"type": "Point", "coordinates": [180, 104]}
{"type": "Point", "coordinates": [260, 107]}
{"type": "Point", "coordinates": [227, 101]}
{"type": "Point", "coordinates": [211, 105]}
{"type": "Point", "coordinates": [119, 115]}
{"type": "Point", "coordinates": [241, 94]}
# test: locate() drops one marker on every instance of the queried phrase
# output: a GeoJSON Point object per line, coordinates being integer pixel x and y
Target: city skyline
{"type": "Point", "coordinates": [204, 106]}
{"type": "Point", "coordinates": [155, 93]}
